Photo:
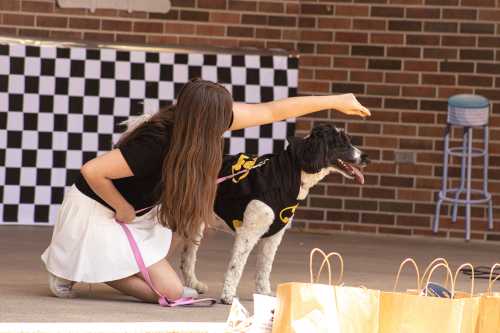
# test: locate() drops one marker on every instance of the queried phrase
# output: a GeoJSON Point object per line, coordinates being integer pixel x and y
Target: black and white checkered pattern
{"type": "Point", "coordinates": [61, 106]}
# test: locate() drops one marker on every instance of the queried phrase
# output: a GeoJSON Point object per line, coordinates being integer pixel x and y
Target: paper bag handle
{"type": "Point", "coordinates": [410, 260]}
{"type": "Point", "coordinates": [490, 287]}
{"type": "Point", "coordinates": [327, 259]}
{"type": "Point", "coordinates": [491, 280]}
{"type": "Point", "coordinates": [472, 282]}
{"type": "Point", "coordinates": [311, 256]}
{"type": "Point", "coordinates": [450, 274]}
{"type": "Point", "coordinates": [428, 268]}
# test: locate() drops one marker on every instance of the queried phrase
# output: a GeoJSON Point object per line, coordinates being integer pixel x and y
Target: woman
{"type": "Point", "coordinates": [171, 162]}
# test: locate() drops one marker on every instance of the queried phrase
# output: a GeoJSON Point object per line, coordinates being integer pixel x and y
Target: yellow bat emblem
{"type": "Point", "coordinates": [244, 162]}
{"type": "Point", "coordinates": [286, 214]}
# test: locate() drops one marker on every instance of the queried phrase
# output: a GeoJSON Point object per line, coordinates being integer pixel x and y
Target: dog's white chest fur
{"type": "Point", "coordinates": [308, 180]}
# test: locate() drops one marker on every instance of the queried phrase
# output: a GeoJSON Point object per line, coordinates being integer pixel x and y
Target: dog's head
{"type": "Point", "coordinates": [329, 147]}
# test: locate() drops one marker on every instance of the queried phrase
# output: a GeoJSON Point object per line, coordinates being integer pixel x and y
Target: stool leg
{"type": "Point", "coordinates": [462, 176]}
{"type": "Point", "coordinates": [490, 214]}
{"type": "Point", "coordinates": [469, 179]}
{"type": "Point", "coordinates": [485, 178]}
{"type": "Point", "coordinates": [435, 226]}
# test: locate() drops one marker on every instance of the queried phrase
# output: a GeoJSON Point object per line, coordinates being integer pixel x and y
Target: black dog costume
{"type": "Point", "coordinates": [272, 179]}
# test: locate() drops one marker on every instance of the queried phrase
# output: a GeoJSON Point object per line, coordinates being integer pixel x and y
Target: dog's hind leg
{"type": "Point", "coordinates": [256, 221]}
{"type": "Point", "coordinates": [188, 263]}
{"type": "Point", "coordinates": [265, 257]}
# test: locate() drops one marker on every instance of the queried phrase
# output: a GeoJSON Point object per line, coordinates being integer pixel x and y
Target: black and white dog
{"type": "Point", "coordinates": [259, 202]}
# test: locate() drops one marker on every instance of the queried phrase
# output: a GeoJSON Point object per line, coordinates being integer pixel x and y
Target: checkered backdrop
{"type": "Point", "coordinates": [61, 106]}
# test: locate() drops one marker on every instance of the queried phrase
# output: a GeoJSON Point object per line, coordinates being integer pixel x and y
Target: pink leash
{"type": "Point", "coordinates": [220, 180]}
{"type": "Point", "coordinates": [162, 300]}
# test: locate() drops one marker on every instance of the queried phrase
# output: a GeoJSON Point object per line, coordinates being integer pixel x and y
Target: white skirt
{"type": "Point", "coordinates": [88, 245]}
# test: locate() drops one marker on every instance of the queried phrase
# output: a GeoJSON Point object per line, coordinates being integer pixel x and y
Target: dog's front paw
{"type": "Point", "coordinates": [226, 299]}
{"type": "Point", "coordinates": [199, 286]}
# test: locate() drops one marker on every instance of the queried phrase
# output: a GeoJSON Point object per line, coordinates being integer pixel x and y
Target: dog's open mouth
{"type": "Point", "coordinates": [350, 171]}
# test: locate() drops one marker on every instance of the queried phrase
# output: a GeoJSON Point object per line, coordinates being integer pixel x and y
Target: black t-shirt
{"type": "Point", "coordinates": [275, 181]}
{"type": "Point", "coordinates": [144, 154]}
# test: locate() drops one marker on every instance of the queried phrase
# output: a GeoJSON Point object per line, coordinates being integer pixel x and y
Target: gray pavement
{"type": "Point", "coordinates": [370, 260]}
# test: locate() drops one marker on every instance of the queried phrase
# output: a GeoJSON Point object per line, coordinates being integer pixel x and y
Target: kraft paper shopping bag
{"type": "Point", "coordinates": [489, 307]}
{"type": "Point", "coordinates": [313, 307]}
{"type": "Point", "coordinates": [402, 312]}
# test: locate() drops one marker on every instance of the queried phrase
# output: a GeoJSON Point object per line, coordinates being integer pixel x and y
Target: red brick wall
{"type": "Point", "coordinates": [402, 58]}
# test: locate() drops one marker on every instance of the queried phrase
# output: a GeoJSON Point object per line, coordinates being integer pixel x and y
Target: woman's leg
{"type": "Point", "coordinates": [136, 287]}
{"type": "Point", "coordinates": [164, 279]}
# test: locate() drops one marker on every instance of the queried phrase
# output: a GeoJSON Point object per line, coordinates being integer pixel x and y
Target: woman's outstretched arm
{"type": "Point", "coordinates": [247, 115]}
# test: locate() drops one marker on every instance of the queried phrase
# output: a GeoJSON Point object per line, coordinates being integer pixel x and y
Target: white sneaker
{"type": "Point", "coordinates": [190, 292]}
{"type": "Point", "coordinates": [61, 287]}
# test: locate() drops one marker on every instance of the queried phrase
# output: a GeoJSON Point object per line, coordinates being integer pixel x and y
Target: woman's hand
{"type": "Point", "coordinates": [125, 214]}
{"type": "Point", "coordinates": [348, 104]}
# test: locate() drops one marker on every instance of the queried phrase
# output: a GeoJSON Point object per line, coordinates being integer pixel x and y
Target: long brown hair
{"type": "Point", "coordinates": [202, 114]}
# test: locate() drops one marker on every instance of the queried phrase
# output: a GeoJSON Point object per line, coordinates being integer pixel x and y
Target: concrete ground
{"type": "Point", "coordinates": [370, 260]}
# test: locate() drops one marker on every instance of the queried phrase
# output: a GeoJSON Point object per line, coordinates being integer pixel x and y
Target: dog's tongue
{"type": "Point", "coordinates": [358, 175]}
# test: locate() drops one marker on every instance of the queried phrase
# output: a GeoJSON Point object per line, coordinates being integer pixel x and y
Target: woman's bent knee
{"type": "Point", "coordinates": [172, 292]}
{"type": "Point", "coordinates": [166, 280]}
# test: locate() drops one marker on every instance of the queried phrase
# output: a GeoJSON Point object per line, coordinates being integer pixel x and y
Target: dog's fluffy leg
{"type": "Point", "coordinates": [265, 257]}
{"type": "Point", "coordinates": [256, 221]}
{"type": "Point", "coordinates": [188, 262]}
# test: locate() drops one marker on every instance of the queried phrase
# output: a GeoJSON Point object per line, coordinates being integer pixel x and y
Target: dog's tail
{"type": "Point", "coordinates": [133, 122]}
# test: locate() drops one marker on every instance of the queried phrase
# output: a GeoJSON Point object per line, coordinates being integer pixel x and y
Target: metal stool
{"type": "Point", "coordinates": [466, 111]}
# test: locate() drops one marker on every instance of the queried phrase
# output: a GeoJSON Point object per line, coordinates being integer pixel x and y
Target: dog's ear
{"type": "Point", "coordinates": [295, 145]}
{"type": "Point", "coordinates": [312, 153]}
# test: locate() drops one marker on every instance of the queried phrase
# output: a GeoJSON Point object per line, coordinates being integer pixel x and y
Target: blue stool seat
{"type": "Point", "coordinates": [467, 111]}
{"type": "Point", "coordinates": [468, 101]}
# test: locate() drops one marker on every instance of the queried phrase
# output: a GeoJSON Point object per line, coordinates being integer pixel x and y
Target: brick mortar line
{"type": "Point", "coordinates": [145, 34]}
{"type": "Point", "coordinates": [395, 188]}
{"type": "Point", "coordinates": [391, 84]}
{"type": "Point", "coordinates": [402, 85]}
{"type": "Point", "coordinates": [413, 58]}
{"type": "Point", "coordinates": [399, 18]}
{"type": "Point", "coordinates": [378, 212]}
{"type": "Point", "coordinates": [415, 177]}
{"type": "Point", "coordinates": [434, 139]}
{"type": "Point", "coordinates": [316, 43]}
{"type": "Point", "coordinates": [422, 46]}
{"type": "Point", "coordinates": [447, 237]}
{"type": "Point", "coordinates": [392, 71]}
{"type": "Point", "coordinates": [209, 11]}
{"type": "Point", "coordinates": [179, 9]}
{"type": "Point", "coordinates": [400, 226]}
{"type": "Point", "coordinates": [343, 224]}
{"type": "Point", "coordinates": [334, 6]}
